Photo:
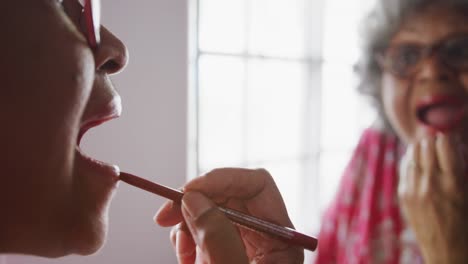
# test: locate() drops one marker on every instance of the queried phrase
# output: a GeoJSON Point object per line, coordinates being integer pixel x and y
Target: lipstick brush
{"type": "Point", "coordinates": [286, 234]}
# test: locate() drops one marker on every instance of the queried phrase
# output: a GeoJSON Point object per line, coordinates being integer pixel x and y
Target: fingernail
{"type": "Point", "coordinates": [159, 216]}
{"type": "Point", "coordinates": [155, 217]}
{"type": "Point", "coordinates": [409, 150]}
{"type": "Point", "coordinates": [195, 204]}
{"type": "Point", "coordinates": [116, 171]}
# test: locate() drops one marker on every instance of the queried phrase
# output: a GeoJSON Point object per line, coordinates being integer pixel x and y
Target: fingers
{"type": "Point", "coordinates": [450, 159]}
{"type": "Point", "coordinates": [409, 171]}
{"type": "Point", "coordinates": [427, 156]}
{"type": "Point", "coordinates": [426, 178]}
{"type": "Point", "coordinates": [213, 233]}
{"type": "Point", "coordinates": [431, 196]}
{"type": "Point", "coordinates": [433, 163]}
{"type": "Point", "coordinates": [256, 188]}
{"type": "Point", "coordinates": [185, 248]}
{"type": "Point", "coordinates": [208, 235]}
{"type": "Point", "coordinates": [232, 182]}
{"type": "Point", "coordinates": [169, 214]}
{"type": "Point", "coordinates": [451, 162]}
{"type": "Point", "coordinates": [419, 169]}
{"type": "Point", "coordinates": [183, 244]}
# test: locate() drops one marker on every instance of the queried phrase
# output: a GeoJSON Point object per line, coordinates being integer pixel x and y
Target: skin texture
{"type": "Point", "coordinates": [206, 236]}
{"type": "Point", "coordinates": [432, 189]}
{"type": "Point", "coordinates": [53, 198]}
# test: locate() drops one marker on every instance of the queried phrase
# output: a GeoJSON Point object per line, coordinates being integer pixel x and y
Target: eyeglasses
{"type": "Point", "coordinates": [92, 16]}
{"type": "Point", "coordinates": [404, 60]}
{"type": "Point", "coordinates": [86, 15]}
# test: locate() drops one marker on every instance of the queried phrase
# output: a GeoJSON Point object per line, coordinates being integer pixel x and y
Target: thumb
{"type": "Point", "coordinates": [212, 231]}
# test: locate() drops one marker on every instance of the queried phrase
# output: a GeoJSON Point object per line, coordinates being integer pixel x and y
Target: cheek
{"type": "Point", "coordinates": [44, 92]}
{"type": "Point", "coordinates": [396, 101]}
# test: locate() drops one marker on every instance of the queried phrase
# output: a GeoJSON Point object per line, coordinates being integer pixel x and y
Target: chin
{"type": "Point", "coordinates": [94, 186]}
{"type": "Point", "coordinates": [87, 235]}
{"type": "Point", "coordinates": [80, 237]}
{"type": "Point", "coordinates": [89, 222]}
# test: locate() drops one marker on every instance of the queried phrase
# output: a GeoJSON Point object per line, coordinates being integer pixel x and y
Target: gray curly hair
{"type": "Point", "coordinates": [377, 29]}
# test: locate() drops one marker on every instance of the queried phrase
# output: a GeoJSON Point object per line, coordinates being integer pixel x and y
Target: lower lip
{"type": "Point", "coordinates": [444, 128]}
{"type": "Point", "coordinates": [108, 171]}
{"type": "Point", "coordinates": [435, 99]}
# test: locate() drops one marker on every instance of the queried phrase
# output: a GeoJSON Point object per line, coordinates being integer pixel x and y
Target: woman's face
{"type": "Point", "coordinates": [53, 198]}
{"type": "Point", "coordinates": [433, 96]}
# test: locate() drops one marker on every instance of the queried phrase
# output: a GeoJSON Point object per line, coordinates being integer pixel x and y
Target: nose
{"type": "Point", "coordinates": [111, 57]}
{"type": "Point", "coordinates": [433, 69]}
{"type": "Point", "coordinates": [104, 103]}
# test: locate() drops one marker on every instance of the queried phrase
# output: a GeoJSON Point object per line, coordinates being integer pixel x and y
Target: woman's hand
{"type": "Point", "coordinates": [433, 193]}
{"type": "Point", "coordinates": [202, 234]}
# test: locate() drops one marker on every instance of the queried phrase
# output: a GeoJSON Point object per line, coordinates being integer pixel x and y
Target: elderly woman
{"type": "Point", "coordinates": [415, 68]}
{"type": "Point", "coordinates": [55, 68]}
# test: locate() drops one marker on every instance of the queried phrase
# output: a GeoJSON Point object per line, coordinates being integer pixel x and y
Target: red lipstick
{"type": "Point", "coordinates": [441, 113]}
{"type": "Point", "coordinates": [286, 234]}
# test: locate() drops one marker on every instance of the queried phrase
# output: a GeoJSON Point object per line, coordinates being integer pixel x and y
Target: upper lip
{"type": "Point", "coordinates": [112, 110]}
{"type": "Point", "coordinates": [433, 100]}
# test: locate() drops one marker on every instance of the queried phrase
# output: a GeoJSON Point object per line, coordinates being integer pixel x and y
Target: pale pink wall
{"type": "Point", "coordinates": [150, 138]}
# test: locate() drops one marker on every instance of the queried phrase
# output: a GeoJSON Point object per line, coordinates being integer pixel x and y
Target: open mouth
{"type": "Point", "coordinates": [87, 127]}
{"type": "Point", "coordinates": [91, 163]}
{"type": "Point", "coordinates": [442, 113]}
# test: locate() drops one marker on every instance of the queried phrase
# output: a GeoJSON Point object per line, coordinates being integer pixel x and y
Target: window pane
{"type": "Point", "coordinates": [345, 112]}
{"type": "Point", "coordinates": [275, 109]}
{"type": "Point", "coordinates": [342, 32]}
{"type": "Point", "coordinates": [277, 27]}
{"type": "Point", "coordinates": [222, 25]}
{"type": "Point", "coordinates": [220, 106]}
{"type": "Point", "coordinates": [332, 166]}
{"type": "Point", "coordinates": [287, 175]}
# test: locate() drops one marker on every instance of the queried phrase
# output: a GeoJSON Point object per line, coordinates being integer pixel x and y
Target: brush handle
{"type": "Point", "coordinates": [285, 234]}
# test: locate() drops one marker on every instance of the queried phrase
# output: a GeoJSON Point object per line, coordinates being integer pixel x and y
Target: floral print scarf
{"type": "Point", "coordinates": [364, 224]}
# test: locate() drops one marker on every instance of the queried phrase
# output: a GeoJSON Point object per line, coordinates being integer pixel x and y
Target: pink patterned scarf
{"type": "Point", "coordinates": [363, 224]}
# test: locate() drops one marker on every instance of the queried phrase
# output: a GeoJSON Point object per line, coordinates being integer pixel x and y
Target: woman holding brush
{"type": "Point", "coordinates": [54, 199]}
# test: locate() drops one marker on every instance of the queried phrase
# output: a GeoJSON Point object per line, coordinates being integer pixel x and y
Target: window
{"type": "Point", "coordinates": [273, 87]}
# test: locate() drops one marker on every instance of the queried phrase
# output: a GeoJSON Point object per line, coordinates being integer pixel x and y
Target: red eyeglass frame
{"type": "Point", "coordinates": [92, 15]}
